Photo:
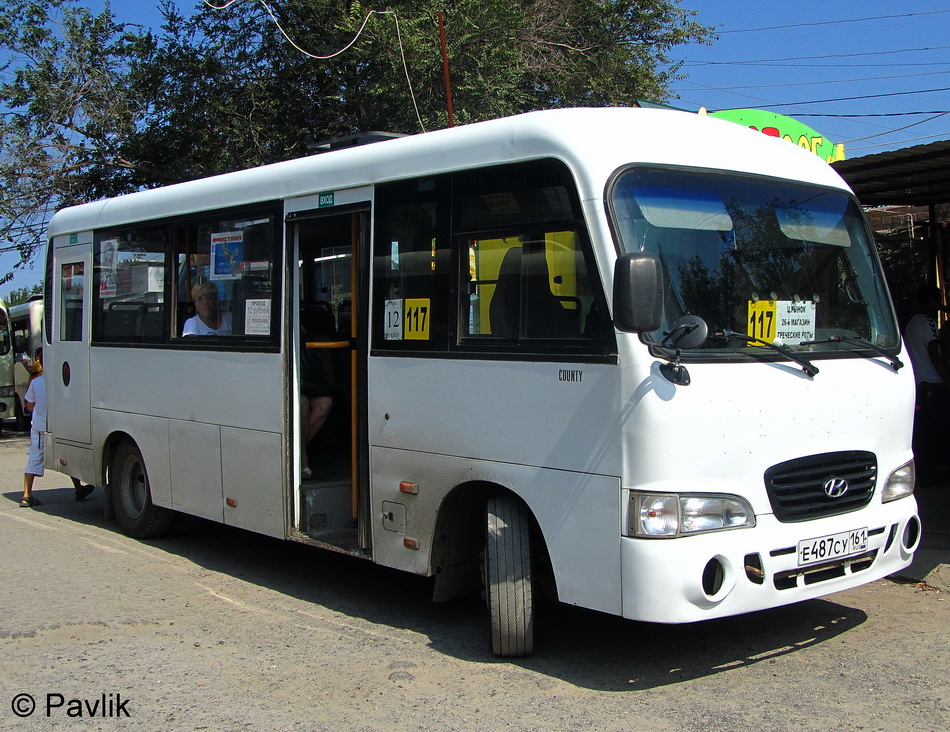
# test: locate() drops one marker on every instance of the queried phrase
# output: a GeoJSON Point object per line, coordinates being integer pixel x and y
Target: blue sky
{"type": "Point", "coordinates": [876, 57]}
{"type": "Point", "coordinates": [792, 58]}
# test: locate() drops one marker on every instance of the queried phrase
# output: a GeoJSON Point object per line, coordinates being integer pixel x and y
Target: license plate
{"type": "Point", "coordinates": [833, 546]}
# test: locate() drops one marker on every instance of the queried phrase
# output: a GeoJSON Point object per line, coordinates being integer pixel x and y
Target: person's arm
{"type": "Point", "coordinates": [27, 404]}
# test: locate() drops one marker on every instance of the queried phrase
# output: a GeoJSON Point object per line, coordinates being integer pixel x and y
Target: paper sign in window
{"type": "Point", "coordinates": [257, 317]}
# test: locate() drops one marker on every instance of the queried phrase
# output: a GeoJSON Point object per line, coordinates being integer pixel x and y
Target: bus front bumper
{"type": "Point", "coordinates": [725, 573]}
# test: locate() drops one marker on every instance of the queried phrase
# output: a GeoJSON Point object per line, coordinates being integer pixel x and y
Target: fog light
{"type": "Point", "coordinates": [713, 576]}
{"type": "Point", "coordinates": [911, 534]}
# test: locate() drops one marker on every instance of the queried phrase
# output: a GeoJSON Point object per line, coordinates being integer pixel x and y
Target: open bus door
{"type": "Point", "coordinates": [330, 355]}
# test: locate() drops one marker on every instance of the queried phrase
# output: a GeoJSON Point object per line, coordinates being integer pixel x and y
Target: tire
{"type": "Point", "coordinates": [132, 497]}
{"type": "Point", "coordinates": [508, 583]}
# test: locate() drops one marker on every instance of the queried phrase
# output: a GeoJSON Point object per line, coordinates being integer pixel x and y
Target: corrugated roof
{"type": "Point", "coordinates": [915, 176]}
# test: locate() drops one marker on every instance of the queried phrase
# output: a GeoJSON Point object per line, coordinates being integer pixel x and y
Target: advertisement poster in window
{"type": "Point", "coordinates": [227, 255]}
{"type": "Point", "coordinates": [108, 253]}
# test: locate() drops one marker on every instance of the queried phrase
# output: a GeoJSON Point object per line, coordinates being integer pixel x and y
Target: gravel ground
{"type": "Point", "coordinates": [214, 628]}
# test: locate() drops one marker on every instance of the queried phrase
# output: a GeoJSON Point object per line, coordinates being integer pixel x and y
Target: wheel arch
{"type": "Point", "coordinates": [109, 446]}
{"type": "Point", "coordinates": [459, 538]}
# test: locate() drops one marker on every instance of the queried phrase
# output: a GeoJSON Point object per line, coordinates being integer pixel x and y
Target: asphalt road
{"type": "Point", "coordinates": [214, 628]}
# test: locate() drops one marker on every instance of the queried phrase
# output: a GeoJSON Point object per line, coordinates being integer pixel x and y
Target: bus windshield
{"type": "Point", "coordinates": [757, 258]}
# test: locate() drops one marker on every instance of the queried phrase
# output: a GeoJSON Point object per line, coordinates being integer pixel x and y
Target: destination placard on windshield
{"type": "Point", "coordinates": [782, 321]}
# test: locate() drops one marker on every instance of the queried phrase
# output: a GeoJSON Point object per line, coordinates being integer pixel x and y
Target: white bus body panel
{"type": "Point", "coordinates": [207, 447]}
{"type": "Point", "coordinates": [549, 432]}
{"type": "Point", "coordinates": [577, 513]}
{"type": "Point", "coordinates": [592, 142]}
{"type": "Point", "coordinates": [719, 435]}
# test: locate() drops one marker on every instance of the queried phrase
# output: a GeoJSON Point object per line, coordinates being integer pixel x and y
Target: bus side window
{"type": "Point", "coordinates": [536, 289]}
{"type": "Point", "coordinates": [410, 268]}
{"type": "Point", "coordinates": [129, 286]}
{"type": "Point", "coordinates": [72, 284]}
{"type": "Point", "coordinates": [227, 264]}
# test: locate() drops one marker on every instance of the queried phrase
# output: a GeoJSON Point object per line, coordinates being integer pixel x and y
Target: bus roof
{"type": "Point", "coordinates": [592, 142]}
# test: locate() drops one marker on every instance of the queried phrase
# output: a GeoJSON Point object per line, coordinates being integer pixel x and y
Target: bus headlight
{"type": "Point", "coordinates": [671, 514]}
{"type": "Point", "coordinates": [900, 483]}
{"type": "Point", "coordinates": [6, 391]}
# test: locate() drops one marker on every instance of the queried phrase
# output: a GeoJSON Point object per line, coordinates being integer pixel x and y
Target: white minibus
{"type": "Point", "coordinates": [26, 323]}
{"type": "Point", "coordinates": [7, 395]}
{"type": "Point", "coordinates": [643, 359]}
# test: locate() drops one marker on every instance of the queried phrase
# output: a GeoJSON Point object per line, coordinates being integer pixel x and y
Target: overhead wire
{"type": "Point", "coordinates": [864, 96]}
{"type": "Point", "coordinates": [834, 61]}
{"type": "Point", "coordinates": [831, 81]}
{"type": "Point", "coordinates": [901, 129]}
{"type": "Point", "coordinates": [345, 48]}
{"type": "Point", "coordinates": [763, 61]}
{"type": "Point", "coordinates": [290, 40]}
{"type": "Point", "coordinates": [832, 22]}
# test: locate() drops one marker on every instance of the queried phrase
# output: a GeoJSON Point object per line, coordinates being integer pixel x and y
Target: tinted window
{"type": "Point", "coordinates": [225, 279]}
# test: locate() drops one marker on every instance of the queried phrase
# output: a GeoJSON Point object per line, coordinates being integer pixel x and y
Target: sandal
{"type": "Point", "coordinates": [30, 502]}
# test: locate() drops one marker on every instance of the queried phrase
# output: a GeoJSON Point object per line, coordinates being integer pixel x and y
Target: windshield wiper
{"type": "Point", "coordinates": [807, 366]}
{"type": "Point", "coordinates": [896, 363]}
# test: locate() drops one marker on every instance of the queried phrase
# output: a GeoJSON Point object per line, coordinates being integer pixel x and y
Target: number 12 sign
{"type": "Point", "coordinates": [407, 319]}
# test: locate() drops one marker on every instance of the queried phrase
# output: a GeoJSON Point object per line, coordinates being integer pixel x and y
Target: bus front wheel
{"type": "Point", "coordinates": [508, 584]}
{"type": "Point", "coordinates": [132, 497]}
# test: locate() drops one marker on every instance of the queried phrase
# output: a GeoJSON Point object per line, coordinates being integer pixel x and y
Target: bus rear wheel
{"type": "Point", "coordinates": [508, 582]}
{"type": "Point", "coordinates": [132, 497]}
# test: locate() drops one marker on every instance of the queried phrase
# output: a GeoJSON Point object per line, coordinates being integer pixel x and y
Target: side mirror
{"type": "Point", "coordinates": [638, 293]}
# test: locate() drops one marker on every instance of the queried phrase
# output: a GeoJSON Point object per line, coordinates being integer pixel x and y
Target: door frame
{"type": "Point", "coordinates": [356, 342]}
{"type": "Point", "coordinates": [66, 366]}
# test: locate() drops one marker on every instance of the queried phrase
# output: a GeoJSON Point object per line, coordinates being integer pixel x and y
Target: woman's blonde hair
{"type": "Point", "coordinates": [204, 289]}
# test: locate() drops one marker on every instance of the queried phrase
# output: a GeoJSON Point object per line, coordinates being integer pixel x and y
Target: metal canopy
{"type": "Point", "coordinates": [915, 176]}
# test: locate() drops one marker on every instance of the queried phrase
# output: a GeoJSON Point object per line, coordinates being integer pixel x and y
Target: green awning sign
{"type": "Point", "coordinates": [778, 125]}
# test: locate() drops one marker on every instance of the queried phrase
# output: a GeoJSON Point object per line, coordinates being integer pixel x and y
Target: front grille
{"type": "Point", "coordinates": [796, 488]}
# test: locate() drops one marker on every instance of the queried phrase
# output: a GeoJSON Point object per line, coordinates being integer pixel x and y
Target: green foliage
{"type": "Point", "coordinates": [65, 114]}
{"type": "Point", "coordinates": [92, 108]}
{"type": "Point", "coordinates": [21, 294]}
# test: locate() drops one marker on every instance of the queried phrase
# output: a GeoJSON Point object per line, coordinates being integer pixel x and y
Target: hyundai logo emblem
{"type": "Point", "coordinates": [836, 487]}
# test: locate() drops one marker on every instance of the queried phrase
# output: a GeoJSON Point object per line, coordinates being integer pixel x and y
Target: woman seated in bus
{"type": "Point", "coordinates": [208, 319]}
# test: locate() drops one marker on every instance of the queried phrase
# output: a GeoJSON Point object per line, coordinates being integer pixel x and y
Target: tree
{"type": "Point", "coordinates": [65, 114]}
{"type": "Point", "coordinates": [91, 108]}
{"type": "Point", "coordinates": [261, 99]}
{"type": "Point", "coordinates": [21, 294]}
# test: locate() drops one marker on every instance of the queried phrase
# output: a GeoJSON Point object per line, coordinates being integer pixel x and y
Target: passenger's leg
{"type": "Point", "coordinates": [319, 411]}
{"type": "Point", "coordinates": [304, 435]}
